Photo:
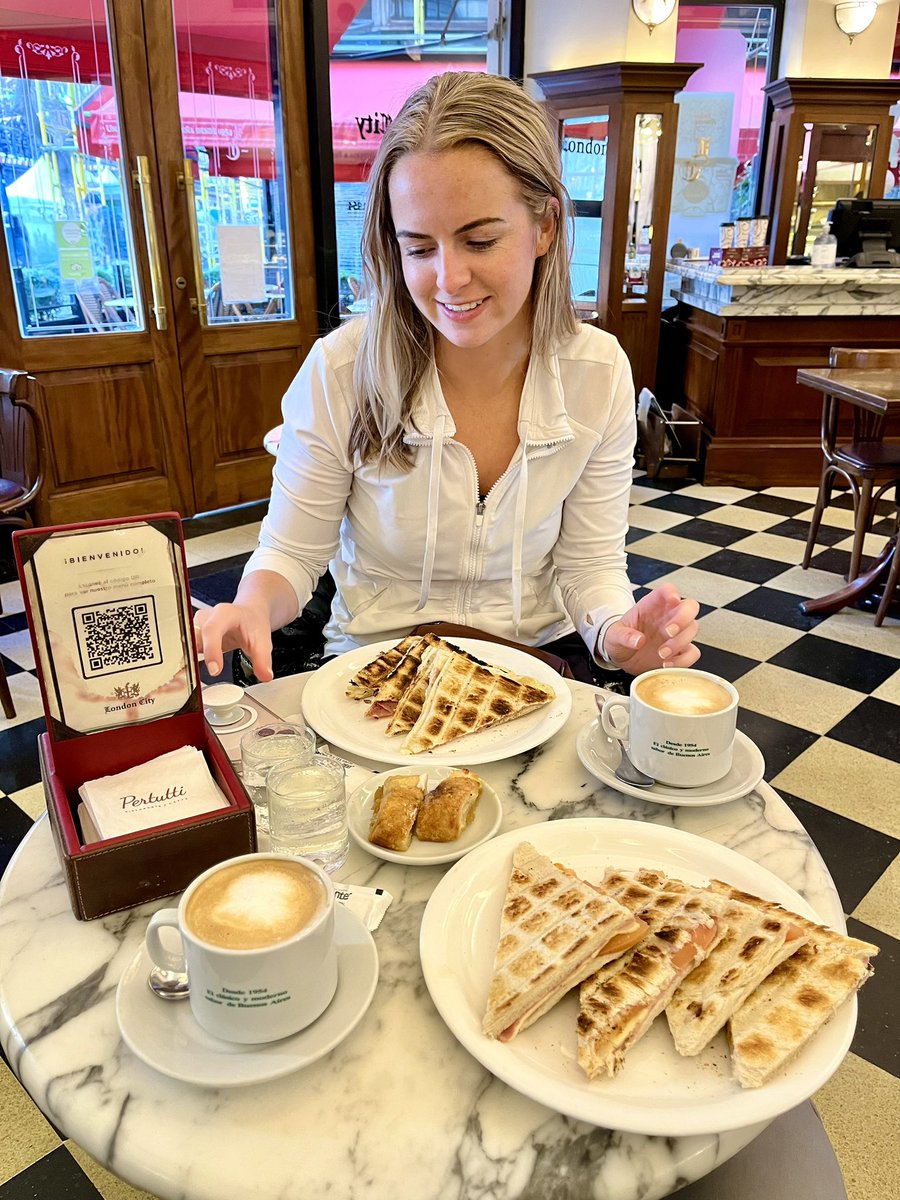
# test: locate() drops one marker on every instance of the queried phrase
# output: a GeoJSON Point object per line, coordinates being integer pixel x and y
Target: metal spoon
{"type": "Point", "coordinates": [168, 985]}
{"type": "Point", "coordinates": [629, 773]}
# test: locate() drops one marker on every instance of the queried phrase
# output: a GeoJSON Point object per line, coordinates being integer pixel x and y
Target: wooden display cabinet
{"type": "Point", "coordinates": [623, 114]}
{"type": "Point", "coordinates": [830, 138]}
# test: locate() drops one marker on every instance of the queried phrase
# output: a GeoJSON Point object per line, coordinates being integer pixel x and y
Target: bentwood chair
{"type": "Point", "coordinates": [791, 1160]}
{"type": "Point", "coordinates": [21, 478]}
{"type": "Point", "coordinates": [868, 464]}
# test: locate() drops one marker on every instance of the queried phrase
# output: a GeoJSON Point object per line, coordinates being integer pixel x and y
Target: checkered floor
{"type": "Point", "coordinates": [820, 696]}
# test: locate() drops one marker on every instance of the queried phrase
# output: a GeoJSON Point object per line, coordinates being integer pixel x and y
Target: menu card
{"type": "Point", "coordinates": [109, 607]}
{"type": "Point", "coordinates": [175, 785]}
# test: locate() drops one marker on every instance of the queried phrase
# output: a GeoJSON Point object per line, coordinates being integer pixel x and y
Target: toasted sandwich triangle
{"type": "Point", "coordinates": [555, 929]}
{"type": "Point", "coordinates": [619, 1003]}
{"type": "Point", "coordinates": [464, 697]}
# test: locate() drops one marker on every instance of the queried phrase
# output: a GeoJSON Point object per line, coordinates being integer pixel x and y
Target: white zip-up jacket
{"type": "Point", "coordinates": [543, 552]}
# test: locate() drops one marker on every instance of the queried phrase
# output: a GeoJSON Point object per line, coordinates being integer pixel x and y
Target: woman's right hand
{"type": "Point", "coordinates": [232, 626]}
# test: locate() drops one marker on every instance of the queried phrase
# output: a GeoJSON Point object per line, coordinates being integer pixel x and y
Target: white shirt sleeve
{"type": "Point", "coordinates": [311, 480]}
{"type": "Point", "coordinates": [590, 553]}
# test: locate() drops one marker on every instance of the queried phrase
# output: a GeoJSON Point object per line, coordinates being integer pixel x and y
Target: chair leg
{"type": "Point", "coordinates": [5, 696]}
{"type": "Point", "coordinates": [821, 501]}
{"type": "Point", "coordinates": [863, 515]}
{"type": "Point", "coordinates": [893, 580]}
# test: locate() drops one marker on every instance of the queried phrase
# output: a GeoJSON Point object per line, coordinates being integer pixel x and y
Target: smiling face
{"type": "Point", "coordinates": [468, 245]}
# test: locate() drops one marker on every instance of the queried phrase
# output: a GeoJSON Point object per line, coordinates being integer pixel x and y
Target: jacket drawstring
{"type": "Point", "coordinates": [434, 491]}
{"type": "Point", "coordinates": [519, 529]}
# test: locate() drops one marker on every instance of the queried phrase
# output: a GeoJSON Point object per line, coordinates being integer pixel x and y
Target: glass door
{"type": "Point", "coordinates": [229, 102]}
{"type": "Point", "coordinates": [84, 287]}
{"type": "Point", "coordinates": [156, 274]}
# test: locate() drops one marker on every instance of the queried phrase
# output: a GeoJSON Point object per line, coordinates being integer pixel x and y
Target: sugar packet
{"type": "Point", "coordinates": [369, 904]}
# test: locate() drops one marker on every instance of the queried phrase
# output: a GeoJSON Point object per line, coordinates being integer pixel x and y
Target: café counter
{"type": "Point", "coordinates": [731, 348]}
{"type": "Point", "coordinates": [399, 1108]}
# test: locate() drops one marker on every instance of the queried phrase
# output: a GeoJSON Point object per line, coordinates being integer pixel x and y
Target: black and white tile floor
{"type": "Point", "coordinates": [820, 696]}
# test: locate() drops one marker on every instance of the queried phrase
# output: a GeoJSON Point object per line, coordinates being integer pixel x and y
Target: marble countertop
{"type": "Point", "coordinates": [783, 276]}
{"type": "Point", "coordinates": [399, 1108]}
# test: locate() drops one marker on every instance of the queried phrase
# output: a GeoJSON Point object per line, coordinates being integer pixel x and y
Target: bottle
{"type": "Point", "coordinates": [824, 249]}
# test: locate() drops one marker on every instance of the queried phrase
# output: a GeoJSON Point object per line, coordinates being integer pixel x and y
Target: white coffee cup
{"type": "Point", "coordinates": [257, 938]}
{"type": "Point", "coordinates": [678, 725]}
{"type": "Point", "coordinates": [222, 702]}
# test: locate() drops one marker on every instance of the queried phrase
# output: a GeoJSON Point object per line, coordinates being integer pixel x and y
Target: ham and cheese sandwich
{"type": "Point", "coordinates": [620, 1002]}
{"type": "Point", "coordinates": [464, 696]}
{"type": "Point", "coordinates": [755, 941]}
{"type": "Point", "coordinates": [555, 930]}
{"type": "Point", "coordinates": [369, 678]}
{"type": "Point", "coordinates": [797, 998]}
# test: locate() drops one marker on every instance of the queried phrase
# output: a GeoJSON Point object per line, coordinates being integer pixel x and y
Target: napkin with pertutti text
{"type": "Point", "coordinates": [168, 788]}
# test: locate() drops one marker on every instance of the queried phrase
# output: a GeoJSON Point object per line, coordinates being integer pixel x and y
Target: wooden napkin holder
{"type": "Point", "coordinates": [110, 618]}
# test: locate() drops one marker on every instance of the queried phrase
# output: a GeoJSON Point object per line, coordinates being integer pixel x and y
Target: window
{"type": "Point", "coordinates": [722, 112]}
{"type": "Point", "coordinates": [376, 59]}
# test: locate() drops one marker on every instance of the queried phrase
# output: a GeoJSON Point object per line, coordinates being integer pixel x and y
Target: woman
{"type": "Point", "coordinates": [464, 452]}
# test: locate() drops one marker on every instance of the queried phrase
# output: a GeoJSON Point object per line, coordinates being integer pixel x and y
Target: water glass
{"type": "Point", "coordinates": [261, 749]}
{"type": "Point", "coordinates": [308, 810]}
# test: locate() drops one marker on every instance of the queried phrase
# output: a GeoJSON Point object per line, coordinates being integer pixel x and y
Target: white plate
{"type": "Point", "coordinates": [164, 1034]}
{"type": "Point", "coordinates": [657, 1092]}
{"type": "Point", "coordinates": [601, 755]}
{"type": "Point", "coordinates": [344, 723]}
{"type": "Point", "coordinates": [487, 820]}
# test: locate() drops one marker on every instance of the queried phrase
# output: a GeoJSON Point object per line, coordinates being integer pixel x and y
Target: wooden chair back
{"type": "Point", "coordinates": [21, 448]}
{"type": "Point", "coordinates": [867, 426]}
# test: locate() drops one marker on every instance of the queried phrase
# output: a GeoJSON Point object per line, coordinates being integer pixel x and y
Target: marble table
{"type": "Point", "coordinates": [399, 1109]}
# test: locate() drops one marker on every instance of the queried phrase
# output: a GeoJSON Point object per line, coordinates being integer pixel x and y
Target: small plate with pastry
{"type": "Point", "coordinates": [423, 818]}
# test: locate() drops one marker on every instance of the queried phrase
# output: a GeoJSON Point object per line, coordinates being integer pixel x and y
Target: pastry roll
{"type": "Point", "coordinates": [449, 808]}
{"type": "Point", "coordinates": [394, 811]}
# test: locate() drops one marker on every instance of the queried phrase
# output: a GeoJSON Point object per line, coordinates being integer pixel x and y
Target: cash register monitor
{"type": "Point", "coordinates": [867, 232]}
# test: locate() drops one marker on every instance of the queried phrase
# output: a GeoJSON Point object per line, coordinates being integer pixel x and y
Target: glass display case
{"type": "Point", "coordinates": [836, 161]}
{"type": "Point", "coordinates": [617, 126]}
{"type": "Point", "coordinates": [830, 139]}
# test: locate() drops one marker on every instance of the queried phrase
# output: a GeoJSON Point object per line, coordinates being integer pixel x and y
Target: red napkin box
{"type": "Point", "coordinates": [110, 618]}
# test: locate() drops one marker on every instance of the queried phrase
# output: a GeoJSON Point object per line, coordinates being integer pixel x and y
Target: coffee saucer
{"type": "Point", "coordinates": [244, 720]}
{"type": "Point", "coordinates": [167, 1038]}
{"type": "Point", "coordinates": [601, 755]}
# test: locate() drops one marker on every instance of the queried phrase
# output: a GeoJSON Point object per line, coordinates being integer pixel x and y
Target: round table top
{"type": "Point", "coordinates": [398, 1108]}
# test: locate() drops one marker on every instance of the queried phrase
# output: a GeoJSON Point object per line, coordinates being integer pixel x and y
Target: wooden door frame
{"type": "Point", "coordinates": [248, 473]}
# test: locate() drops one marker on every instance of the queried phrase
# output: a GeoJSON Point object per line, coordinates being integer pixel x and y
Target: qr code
{"type": "Point", "coordinates": [117, 635]}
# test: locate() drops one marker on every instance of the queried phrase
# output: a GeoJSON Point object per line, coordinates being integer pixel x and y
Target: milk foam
{"type": "Point", "coordinates": [684, 695]}
{"type": "Point", "coordinates": [254, 904]}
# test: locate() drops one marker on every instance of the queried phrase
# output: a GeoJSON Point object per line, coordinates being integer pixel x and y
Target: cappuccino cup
{"type": "Point", "coordinates": [678, 725]}
{"type": "Point", "coordinates": [257, 943]}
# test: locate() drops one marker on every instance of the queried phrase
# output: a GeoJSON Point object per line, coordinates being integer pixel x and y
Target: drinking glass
{"type": "Point", "coordinates": [264, 747]}
{"type": "Point", "coordinates": [308, 810]}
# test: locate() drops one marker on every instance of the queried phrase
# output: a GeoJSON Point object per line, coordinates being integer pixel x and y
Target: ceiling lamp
{"type": "Point", "coordinates": [854, 16]}
{"type": "Point", "coordinates": [653, 12]}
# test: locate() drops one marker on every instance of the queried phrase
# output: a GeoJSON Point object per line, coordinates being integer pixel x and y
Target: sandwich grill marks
{"type": "Point", "coordinates": [797, 998]}
{"type": "Point", "coordinates": [435, 692]}
{"type": "Point", "coordinates": [555, 929]}
{"type": "Point", "coordinates": [369, 678]}
{"type": "Point", "coordinates": [465, 696]}
{"type": "Point", "coordinates": [620, 1002]}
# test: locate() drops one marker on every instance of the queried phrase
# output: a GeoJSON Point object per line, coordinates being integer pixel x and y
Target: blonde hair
{"type": "Point", "coordinates": [458, 108]}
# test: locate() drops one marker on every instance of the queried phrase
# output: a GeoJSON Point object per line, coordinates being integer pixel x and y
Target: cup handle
{"type": "Point", "coordinates": [618, 732]}
{"type": "Point", "coordinates": [161, 957]}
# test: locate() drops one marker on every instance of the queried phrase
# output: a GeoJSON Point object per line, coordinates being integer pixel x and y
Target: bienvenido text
{"type": "Point", "coordinates": [171, 793]}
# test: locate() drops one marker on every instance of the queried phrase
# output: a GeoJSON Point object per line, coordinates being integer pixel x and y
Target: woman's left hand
{"type": "Point", "coordinates": [657, 632]}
